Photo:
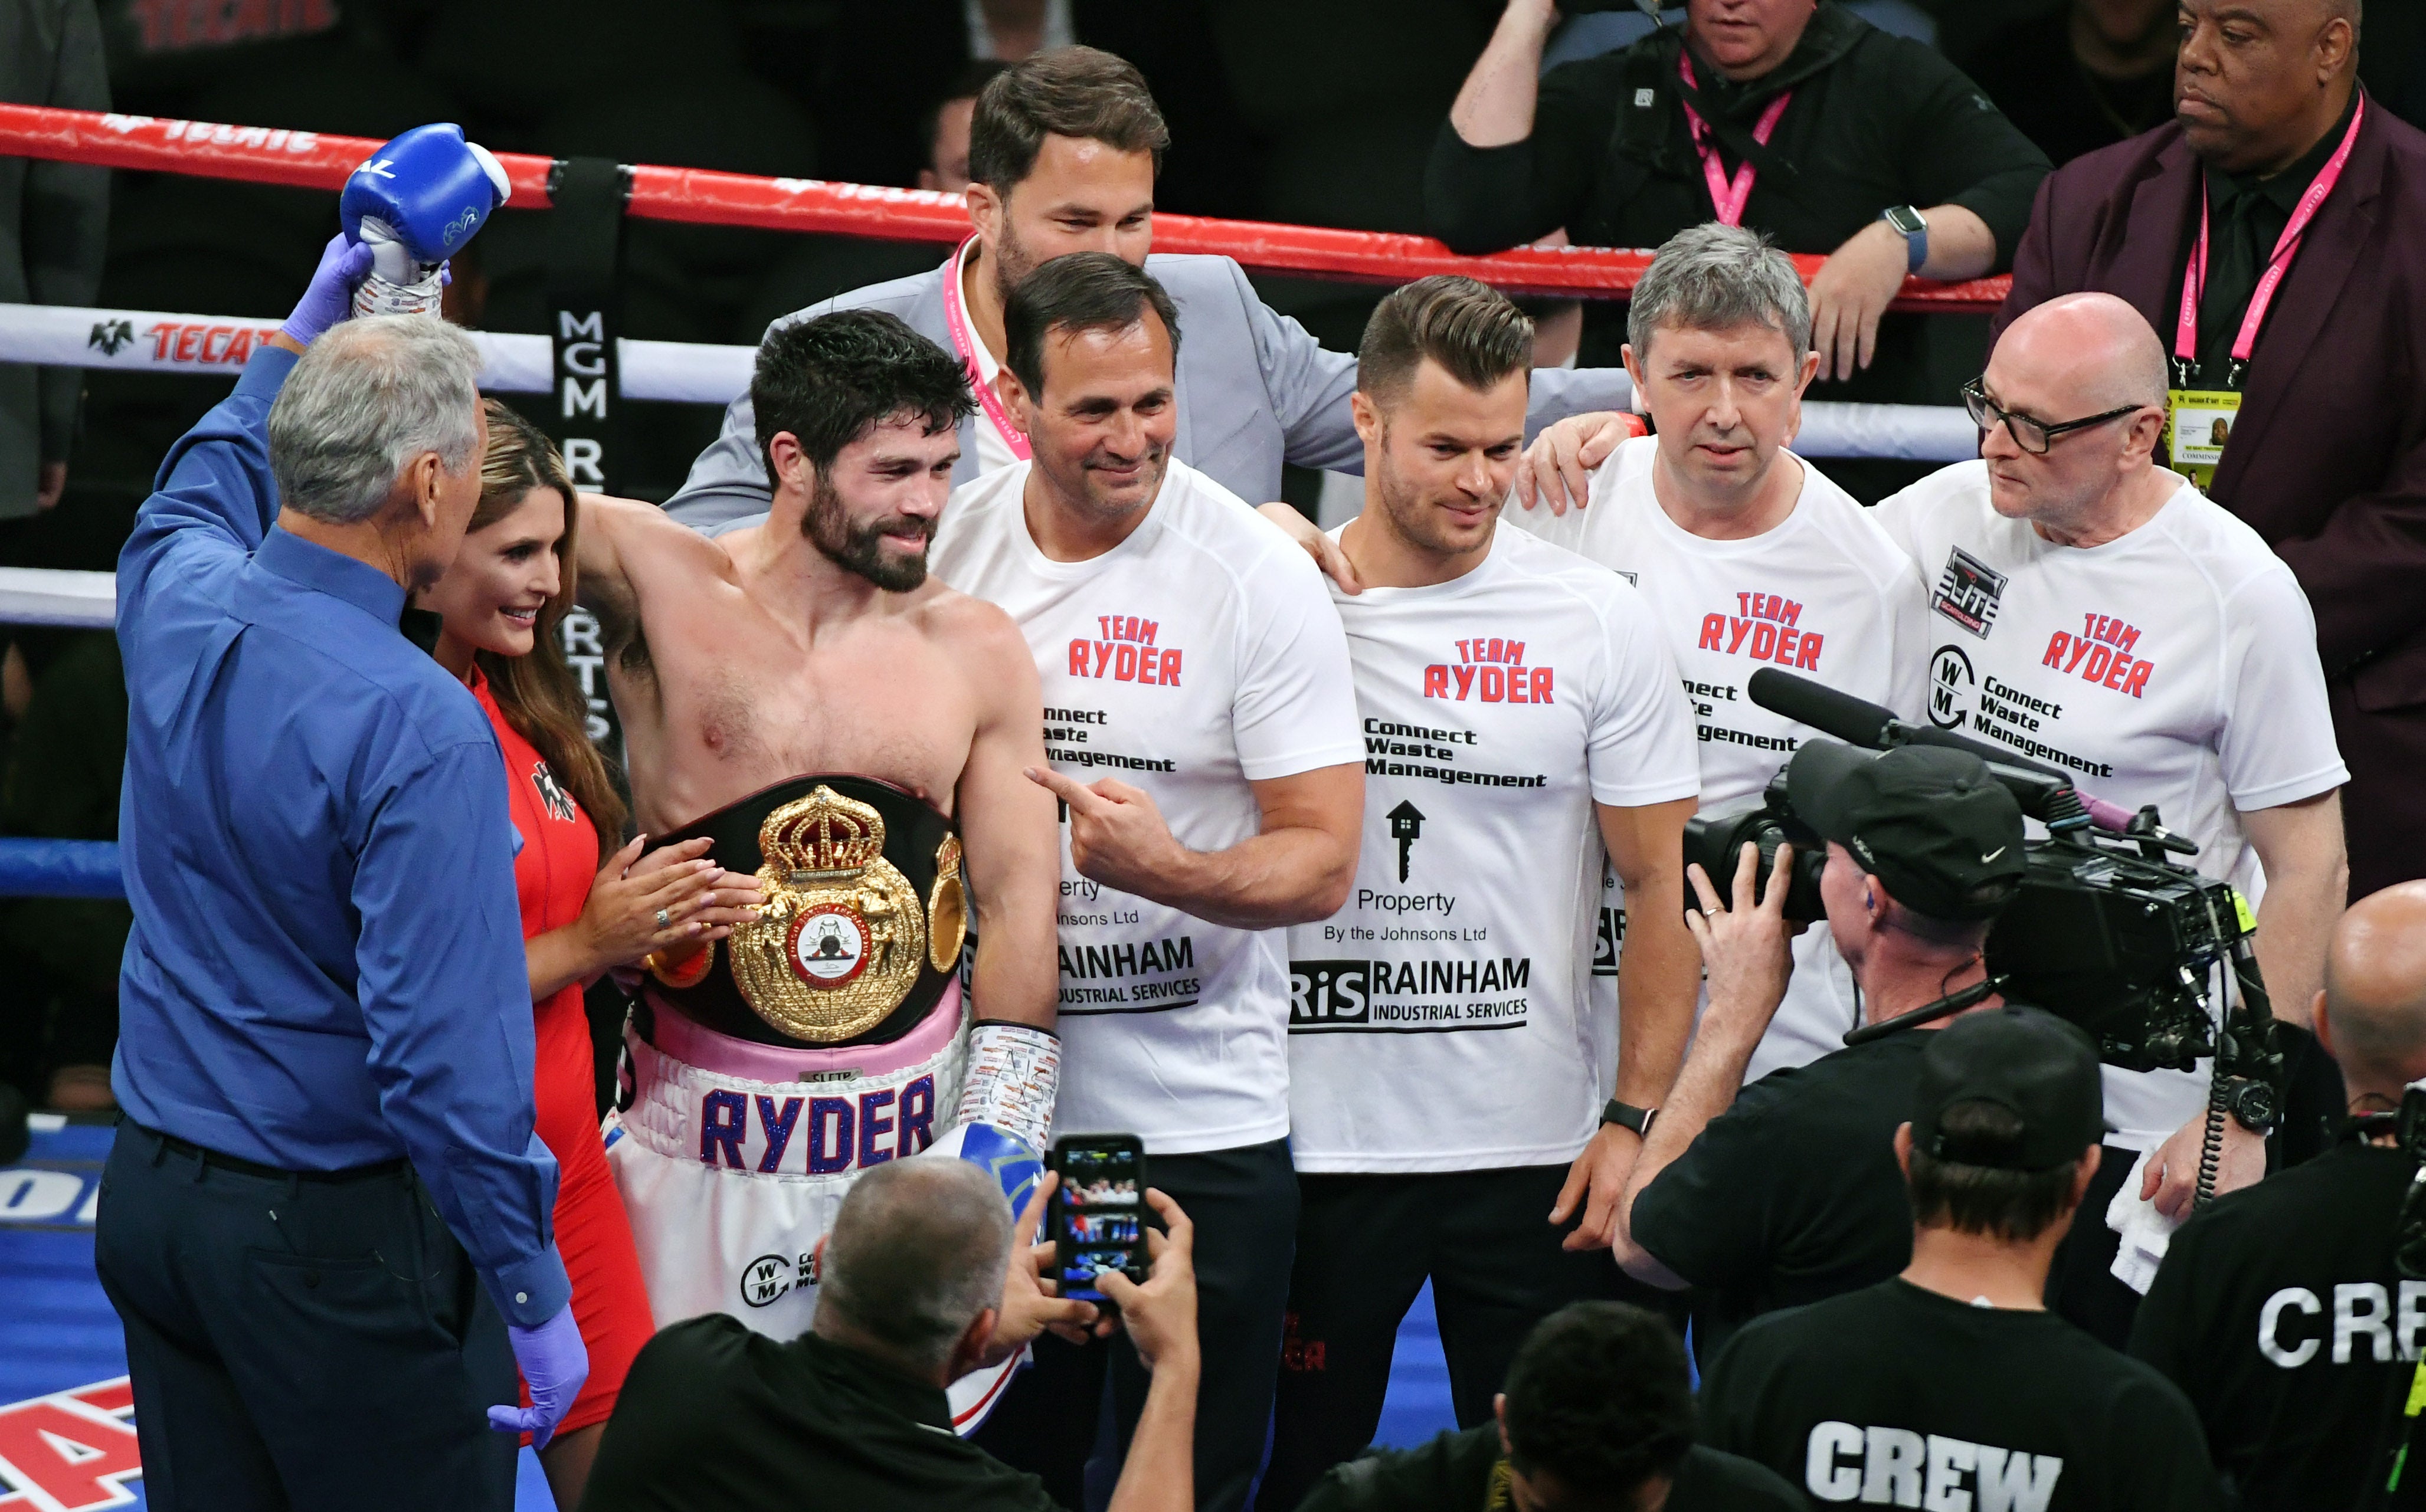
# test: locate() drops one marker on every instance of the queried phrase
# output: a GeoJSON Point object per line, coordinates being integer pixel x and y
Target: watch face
{"type": "Point", "coordinates": [1904, 219]}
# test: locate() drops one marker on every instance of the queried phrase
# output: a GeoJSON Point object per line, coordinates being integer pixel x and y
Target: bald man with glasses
{"type": "Point", "coordinates": [2092, 611]}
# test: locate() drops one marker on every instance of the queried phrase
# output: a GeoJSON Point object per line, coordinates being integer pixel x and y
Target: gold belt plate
{"type": "Point", "coordinates": [841, 938]}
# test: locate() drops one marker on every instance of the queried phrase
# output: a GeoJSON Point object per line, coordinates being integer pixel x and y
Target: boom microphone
{"type": "Point", "coordinates": [2046, 792]}
{"type": "Point", "coordinates": [1853, 720]}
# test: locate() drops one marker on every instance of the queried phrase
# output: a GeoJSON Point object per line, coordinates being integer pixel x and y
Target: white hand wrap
{"type": "Point", "coordinates": [1013, 1072]}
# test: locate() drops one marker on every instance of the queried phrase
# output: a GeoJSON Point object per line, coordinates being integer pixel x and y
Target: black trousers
{"type": "Point", "coordinates": [1243, 1203]}
{"type": "Point", "coordinates": [1365, 1247]}
{"type": "Point", "coordinates": [299, 1343]}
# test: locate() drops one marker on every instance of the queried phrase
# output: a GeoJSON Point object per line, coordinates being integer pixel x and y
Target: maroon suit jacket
{"type": "Point", "coordinates": [2328, 456]}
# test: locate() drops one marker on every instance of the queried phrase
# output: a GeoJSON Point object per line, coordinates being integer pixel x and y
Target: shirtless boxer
{"type": "Point", "coordinates": [855, 734]}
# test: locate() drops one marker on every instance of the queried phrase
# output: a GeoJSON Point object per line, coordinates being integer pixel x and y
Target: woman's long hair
{"type": "Point", "coordinates": [537, 693]}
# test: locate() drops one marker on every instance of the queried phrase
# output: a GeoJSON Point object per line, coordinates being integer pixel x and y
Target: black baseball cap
{"type": "Point", "coordinates": [2026, 1061]}
{"type": "Point", "coordinates": [1931, 823]}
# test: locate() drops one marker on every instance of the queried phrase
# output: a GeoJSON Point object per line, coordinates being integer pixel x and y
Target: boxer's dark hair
{"type": "Point", "coordinates": [1470, 329]}
{"type": "Point", "coordinates": [1990, 1197]}
{"type": "Point", "coordinates": [1598, 1398]}
{"type": "Point", "coordinates": [537, 692]}
{"type": "Point", "coordinates": [1066, 91]}
{"type": "Point", "coordinates": [831, 379]}
{"type": "Point", "coordinates": [1083, 291]}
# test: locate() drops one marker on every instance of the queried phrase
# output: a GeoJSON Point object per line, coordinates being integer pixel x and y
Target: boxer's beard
{"type": "Point", "coordinates": [860, 545]}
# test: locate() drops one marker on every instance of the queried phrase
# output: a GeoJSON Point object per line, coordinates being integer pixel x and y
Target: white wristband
{"type": "Point", "coordinates": [1013, 1075]}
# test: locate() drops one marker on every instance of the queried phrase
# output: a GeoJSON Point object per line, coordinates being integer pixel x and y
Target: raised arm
{"type": "Point", "coordinates": [1009, 833]}
{"type": "Point", "coordinates": [610, 528]}
{"type": "Point", "coordinates": [1745, 952]}
{"type": "Point", "coordinates": [214, 498]}
{"type": "Point", "coordinates": [1494, 105]}
{"type": "Point", "coordinates": [1520, 150]}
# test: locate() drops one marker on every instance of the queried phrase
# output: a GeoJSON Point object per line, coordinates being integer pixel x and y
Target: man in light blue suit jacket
{"type": "Point", "coordinates": [1064, 151]}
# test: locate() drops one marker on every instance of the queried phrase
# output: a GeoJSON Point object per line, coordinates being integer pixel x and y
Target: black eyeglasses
{"type": "Point", "coordinates": [2033, 436]}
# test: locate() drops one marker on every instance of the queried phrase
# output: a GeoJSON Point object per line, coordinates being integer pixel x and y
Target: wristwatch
{"type": "Point", "coordinates": [2253, 1107]}
{"type": "Point", "coordinates": [1907, 223]}
{"type": "Point", "coordinates": [1627, 1116]}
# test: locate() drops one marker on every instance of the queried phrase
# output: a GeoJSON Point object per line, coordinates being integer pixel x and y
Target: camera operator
{"type": "Point", "coordinates": [923, 1277]}
{"type": "Point", "coordinates": [2096, 613]}
{"type": "Point", "coordinates": [1598, 1414]}
{"type": "Point", "coordinates": [1951, 1384]}
{"type": "Point", "coordinates": [1786, 1192]}
{"type": "Point", "coordinates": [2278, 1311]}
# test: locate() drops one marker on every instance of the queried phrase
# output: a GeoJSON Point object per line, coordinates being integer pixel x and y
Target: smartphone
{"type": "Point", "coordinates": [1097, 1217]}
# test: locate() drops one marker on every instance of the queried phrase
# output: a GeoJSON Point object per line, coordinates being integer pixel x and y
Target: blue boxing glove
{"type": "Point", "coordinates": [554, 1362]}
{"type": "Point", "coordinates": [1012, 1162]}
{"type": "Point", "coordinates": [329, 298]}
{"type": "Point", "coordinates": [415, 202]}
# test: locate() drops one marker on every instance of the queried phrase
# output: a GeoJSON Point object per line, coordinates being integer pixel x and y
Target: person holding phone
{"type": "Point", "coordinates": [926, 1278]}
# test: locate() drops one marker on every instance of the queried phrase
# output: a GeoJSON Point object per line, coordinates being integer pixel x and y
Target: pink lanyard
{"type": "Point", "coordinates": [956, 320]}
{"type": "Point", "coordinates": [2286, 247]}
{"type": "Point", "coordinates": [1727, 198]}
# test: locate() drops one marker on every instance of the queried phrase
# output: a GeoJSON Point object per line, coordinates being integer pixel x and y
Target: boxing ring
{"type": "Point", "coordinates": [66, 1440]}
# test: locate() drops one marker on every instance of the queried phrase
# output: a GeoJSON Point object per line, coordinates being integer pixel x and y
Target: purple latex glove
{"type": "Point", "coordinates": [554, 1363]}
{"type": "Point", "coordinates": [330, 297]}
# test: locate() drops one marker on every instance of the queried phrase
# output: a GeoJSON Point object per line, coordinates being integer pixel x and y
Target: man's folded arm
{"type": "Point", "coordinates": [445, 999]}
{"type": "Point", "coordinates": [1483, 200]}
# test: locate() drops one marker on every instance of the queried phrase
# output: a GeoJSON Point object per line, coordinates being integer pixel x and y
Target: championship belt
{"type": "Point", "coordinates": [864, 914]}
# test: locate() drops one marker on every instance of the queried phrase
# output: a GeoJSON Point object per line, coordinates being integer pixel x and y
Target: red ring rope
{"type": "Point", "coordinates": [308, 160]}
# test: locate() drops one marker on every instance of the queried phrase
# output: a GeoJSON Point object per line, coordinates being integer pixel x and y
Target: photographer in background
{"type": "Point", "coordinates": [2278, 1311]}
{"type": "Point", "coordinates": [1598, 1414]}
{"type": "Point", "coordinates": [924, 1278]}
{"type": "Point", "coordinates": [2093, 610]}
{"type": "Point", "coordinates": [1951, 1386]}
{"type": "Point", "coordinates": [1786, 1190]}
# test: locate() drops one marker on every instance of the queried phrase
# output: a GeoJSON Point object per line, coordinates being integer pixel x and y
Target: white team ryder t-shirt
{"type": "Point", "coordinates": [1198, 655]}
{"type": "Point", "coordinates": [1442, 1021]}
{"type": "Point", "coordinates": [2174, 666]}
{"type": "Point", "coordinates": [1825, 594]}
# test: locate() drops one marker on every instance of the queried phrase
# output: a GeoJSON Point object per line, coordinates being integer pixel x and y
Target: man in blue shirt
{"type": "Point", "coordinates": [327, 1187]}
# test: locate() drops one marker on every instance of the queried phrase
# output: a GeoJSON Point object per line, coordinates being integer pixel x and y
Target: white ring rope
{"type": "Point", "coordinates": [148, 341]}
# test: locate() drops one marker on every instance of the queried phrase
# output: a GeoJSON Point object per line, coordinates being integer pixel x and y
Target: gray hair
{"type": "Point", "coordinates": [916, 1252]}
{"type": "Point", "coordinates": [1715, 277]}
{"type": "Point", "coordinates": [365, 400]}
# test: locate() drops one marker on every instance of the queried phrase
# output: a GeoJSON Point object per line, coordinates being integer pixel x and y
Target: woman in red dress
{"type": "Point", "coordinates": [498, 606]}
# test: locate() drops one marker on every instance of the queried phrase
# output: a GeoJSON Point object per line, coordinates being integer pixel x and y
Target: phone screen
{"type": "Point", "coordinates": [1100, 1211]}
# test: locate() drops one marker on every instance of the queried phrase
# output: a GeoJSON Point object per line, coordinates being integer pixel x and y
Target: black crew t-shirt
{"type": "Point", "coordinates": [1793, 1194]}
{"type": "Point", "coordinates": [2279, 1313]}
{"type": "Point", "coordinates": [715, 1417]}
{"type": "Point", "coordinates": [1897, 1397]}
{"type": "Point", "coordinates": [1466, 1473]}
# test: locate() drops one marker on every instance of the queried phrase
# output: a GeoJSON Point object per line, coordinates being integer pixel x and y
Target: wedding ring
{"type": "Point", "coordinates": [665, 920]}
